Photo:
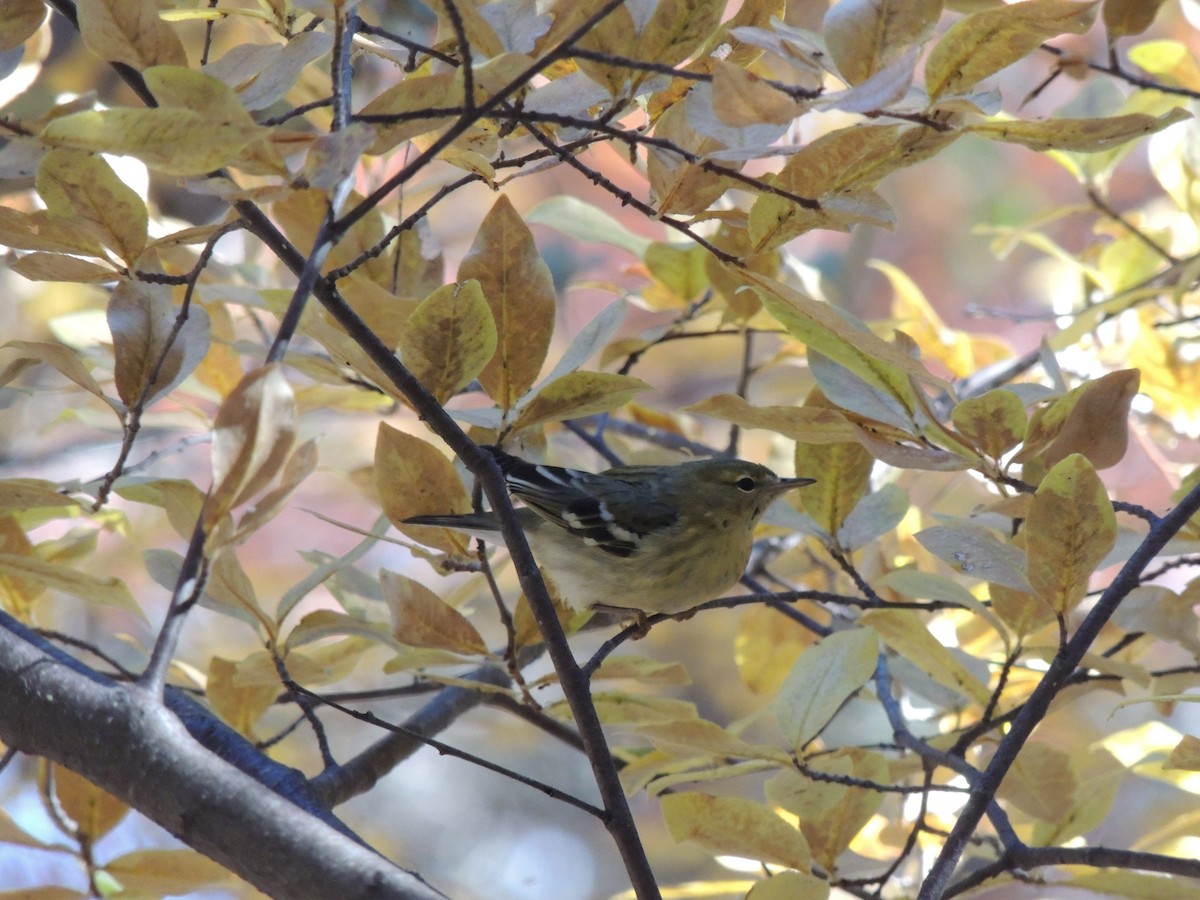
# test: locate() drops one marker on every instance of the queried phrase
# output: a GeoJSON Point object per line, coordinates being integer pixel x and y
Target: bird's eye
{"type": "Point", "coordinates": [745, 483]}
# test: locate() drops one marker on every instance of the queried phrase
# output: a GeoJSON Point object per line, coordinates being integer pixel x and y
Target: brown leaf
{"type": "Point", "coordinates": [422, 619]}
{"type": "Point", "coordinates": [1124, 18]}
{"type": "Point", "coordinates": [19, 21]}
{"type": "Point", "coordinates": [142, 317]}
{"type": "Point", "coordinates": [1092, 419]}
{"type": "Point", "coordinates": [517, 286]}
{"type": "Point", "coordinates": [994, 422]}
{"type": "Point", "coordinates": [252, 438]}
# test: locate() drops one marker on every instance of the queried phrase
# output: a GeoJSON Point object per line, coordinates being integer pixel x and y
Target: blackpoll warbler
{"type": "Point", "coordinates": [660, 539]}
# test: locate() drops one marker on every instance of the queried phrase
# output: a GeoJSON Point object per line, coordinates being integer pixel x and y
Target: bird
{"type": "Point", "coordinates": [649, 539]}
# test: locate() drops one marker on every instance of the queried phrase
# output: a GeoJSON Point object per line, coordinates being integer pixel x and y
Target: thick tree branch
{"type": "Point", "coordinates": [123, 739]}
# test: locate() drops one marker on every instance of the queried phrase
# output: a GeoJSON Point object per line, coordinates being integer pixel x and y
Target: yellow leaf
{"type": "Point", "coordinates": [830, 833]}
{"type": "Point", "coordinates": [1168, 61]}
{"type": "Point", "coordinates": [396, 113]}
{"type": "Point", "coordinates": [517, 286]}
{"type": "Point", "coordinates": [19, 21]}
{"type": "Point", "coordinates": [863, 36]}
{"type": "Point", "coordinates": [1020, 610]}
{"type": "Point", "coordinates": [824, 677]}
{"type": "Point", "coordinates": [735, 826]}
{"type": "Point", "coordinates": [449, 338]}
{"type": "Point", "coordinates": [105, 589]}
{"type": "Point", "coordinates": [643, 670]}
{"type": "Point", "coordinates": [982, 44]}
{"type": "Point", "coordinates": [94, 811]}
{"type": "Point", "coordinates": [843, 473]}
{"type": "Point", "coordinates": [1078, 135]}
{"type": "Point", "coordinates": [326, 623]}
{"type": "Point", "coordinates": [1115, 882]}
{"type": "Point", "coordinates": [129, 32]}
{"type": "Point", "coordinates": [905, 632]}
{"type": "Point", "coordinates": [766, 646]}
{"type": "Point", "coordinates": [994, 422]}
{"type": "Point", "coordinates": [678, 275]}
{"type": "Point", "coordinates": [168, 872]}
{"type": "Point", "coordinates": [790, 886]}
{"type": "Point", "coordinates": [172, 141]}
{"type": "Point", "coordinates": [1042, 782]}
{"type": "Point", "coordinates": [252, 439]}
{"type": "Point", "coordinates": [693, 737]}
{"type": "Point", "coordinates": [422, 619]}
{"type": "Point", "coordinates": [1070, 529]}
{"type": "Point", "coordinates": [808, 424]}
{"type": "Point", "coordinates": [677, 29]}
{"type": "Point", "coordinates": [239, 706]}
{"type": "Point", "coordinates": [882, 364]}
{"type": "Point", "coordinates": [579, 394]}
{"type": "Point", "coordinates": [82, 189]}
{"type": "Point", "coordinates": [414, 478]}
{"type": "Point", "coordinates": [38, 230]}
{"type": "Point", "coordinates": [142, 320]}
{"type": "Point", "coordinates": [624, 708]}
{"type": "Point", "coordinates": [18, 494]}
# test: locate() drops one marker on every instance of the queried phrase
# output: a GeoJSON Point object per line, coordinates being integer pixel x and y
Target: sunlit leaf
{"type": "Point", "coordinates": [517, 286]}
{"type": "Point", "coordinates": [734, 826]}
{"type": "Point", "coordinates": [985, 42]}
{"type": "Point", "coordinates": [790, 886]}
{"type": "Point", "coordinates": [82, 189]}
{"type": "Point", "coordinates": [905, 632]}
{"type": "Point", "coordinates": [1070, 529]}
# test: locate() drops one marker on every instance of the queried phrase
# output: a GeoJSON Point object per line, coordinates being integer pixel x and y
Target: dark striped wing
{"type": "Point", "coordinates": [613, 511]}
